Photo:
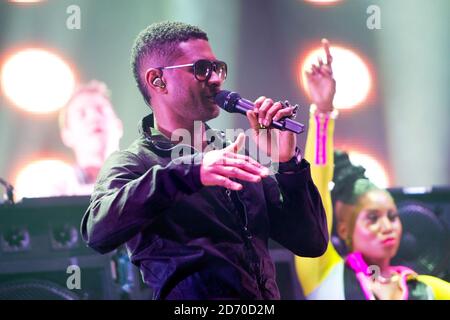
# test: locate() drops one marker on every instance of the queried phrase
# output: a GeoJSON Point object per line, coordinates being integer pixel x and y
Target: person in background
{"type": "Point", "coordinates": [367, 218]}
{"type": "Point", "coordinates": [90, 127]}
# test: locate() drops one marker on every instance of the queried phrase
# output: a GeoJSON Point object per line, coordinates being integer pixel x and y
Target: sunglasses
{"type": "Point", "coordinates": [203, 69]}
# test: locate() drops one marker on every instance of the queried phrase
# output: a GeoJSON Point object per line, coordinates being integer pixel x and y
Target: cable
{"type": "Point", "coordinates": [9, 191]}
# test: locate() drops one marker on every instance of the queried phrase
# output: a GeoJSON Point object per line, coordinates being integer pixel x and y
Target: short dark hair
{"type": "Point", "coordinates": [157, 43]}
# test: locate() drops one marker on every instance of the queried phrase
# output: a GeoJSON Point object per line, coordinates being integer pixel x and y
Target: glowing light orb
{"type": "Point", "coordinates": [37, 80]}
{"type": "Point", "coordinates": [26, 1]}
{"type": "Point", "coordinates": [352, 75]}
{"type": "Point", "coordinates": [375, 171]}
{"type": "Point", "coordinates": [323, 2]}
{"type": "Point", "coordinates": [44, 178]}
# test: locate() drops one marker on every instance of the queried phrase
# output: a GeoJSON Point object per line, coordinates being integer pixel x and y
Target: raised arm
{"type": "Point", "coordinates": [319, 152]}
{"type": "Point", "coordinates": [296, 214]}
{"type": "Point", "coordinates": [131, 192]}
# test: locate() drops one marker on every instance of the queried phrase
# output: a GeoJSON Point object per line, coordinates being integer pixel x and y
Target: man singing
{"type": "Point", "coordinates": [198, 225]}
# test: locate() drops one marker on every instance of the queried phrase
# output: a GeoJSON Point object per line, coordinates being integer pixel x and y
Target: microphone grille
{"type": "Point", "coordinates": [227, 100]}
{"type": "Point", "coordinates": [221, 98]}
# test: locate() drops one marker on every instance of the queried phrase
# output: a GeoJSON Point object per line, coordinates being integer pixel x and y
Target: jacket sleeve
{"type": "Point", "coordinates": [296, 214]}
{"type": "Point", "coordinates": [129, 194]}
{"type": "Point", "coordinates": [319, 151]}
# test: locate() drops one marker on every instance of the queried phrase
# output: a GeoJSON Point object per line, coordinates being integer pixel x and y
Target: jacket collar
{"type": "Point", "coordinates": [163, 143]}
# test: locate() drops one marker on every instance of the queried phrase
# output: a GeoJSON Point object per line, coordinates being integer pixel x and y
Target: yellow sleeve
{"type": "Point", "coordinates": [319, 153]}
{"type": "Point", "coordinates": [441, 288]}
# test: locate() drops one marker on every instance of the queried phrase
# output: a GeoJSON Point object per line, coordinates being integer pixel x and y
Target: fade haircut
{"type": "Point", "coordinates": [158, 44]}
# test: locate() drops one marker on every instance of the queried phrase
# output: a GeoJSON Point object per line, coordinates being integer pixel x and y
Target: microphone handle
{"type": "Point", "coordinates": [244, 105]}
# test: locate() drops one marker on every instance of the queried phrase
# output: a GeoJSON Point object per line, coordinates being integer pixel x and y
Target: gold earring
{"type": "Point", "coordinates": [349, 243]}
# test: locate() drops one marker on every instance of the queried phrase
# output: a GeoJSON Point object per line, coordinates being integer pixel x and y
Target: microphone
{"type": "Point", "coordinates": [233, 103]}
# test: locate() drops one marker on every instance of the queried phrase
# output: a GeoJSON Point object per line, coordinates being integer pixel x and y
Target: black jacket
{"type": "Point", "coordinates": [196, 242]}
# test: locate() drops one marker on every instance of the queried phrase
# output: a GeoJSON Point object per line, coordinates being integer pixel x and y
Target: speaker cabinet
{"type": "Point", "coordinates": [42, 255]}
{"type": "Point", "coordinates": [425, 216]}
{"type": "Point", "coordinates": [40, 244]}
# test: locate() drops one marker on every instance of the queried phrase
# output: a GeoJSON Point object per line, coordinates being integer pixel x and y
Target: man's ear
{"type": "Point", "coordinates": [154, 80]}
{"type": "Point", "coordinates": [342, 230]}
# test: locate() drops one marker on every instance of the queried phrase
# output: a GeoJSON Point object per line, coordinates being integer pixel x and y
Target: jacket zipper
{"type": "Point", "coordinates": [247, 232]}
{"type": "Point", "coordinates": [259, 276]}
{"type": "Point", "coordinates": [228, 193]}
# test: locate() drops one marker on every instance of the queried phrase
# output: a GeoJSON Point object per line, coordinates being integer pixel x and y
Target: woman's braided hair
{"type": "Point", "coordinates": [350, 182]}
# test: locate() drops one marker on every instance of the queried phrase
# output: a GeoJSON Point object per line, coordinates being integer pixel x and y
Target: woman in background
{"type": "Point", "coordinates": [367, 218]}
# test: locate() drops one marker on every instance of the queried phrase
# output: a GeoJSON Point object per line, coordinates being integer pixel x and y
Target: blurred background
{"type": "Point", "coordinates": [390, 64]}
{"type": "Point", "coordinates": [393, 80]}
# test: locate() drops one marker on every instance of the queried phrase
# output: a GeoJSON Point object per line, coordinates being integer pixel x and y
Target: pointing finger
{"type": "Point", "coordinates": [326, 47]}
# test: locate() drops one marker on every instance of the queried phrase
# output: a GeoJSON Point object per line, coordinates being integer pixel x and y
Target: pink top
{"type": "Point", "coordinates": [363, 273]}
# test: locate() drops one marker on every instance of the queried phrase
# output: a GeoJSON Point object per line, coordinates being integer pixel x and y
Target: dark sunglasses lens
{"type": "Point", "coordinates": [202, 69]}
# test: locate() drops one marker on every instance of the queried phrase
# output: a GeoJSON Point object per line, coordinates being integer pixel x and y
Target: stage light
{"type": "Point", "coordinates": [353, 78]}
{"type": "Point", "coordinates": [42, 178]}
{"type": "Point", "coordinates": [323, 2]}
{"type": "Point", "coordinates": [375, 171]}
{"type": "Point", "coordinates": [37, 81]}
{"type": "Point", "coordinates": [26, 1]}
